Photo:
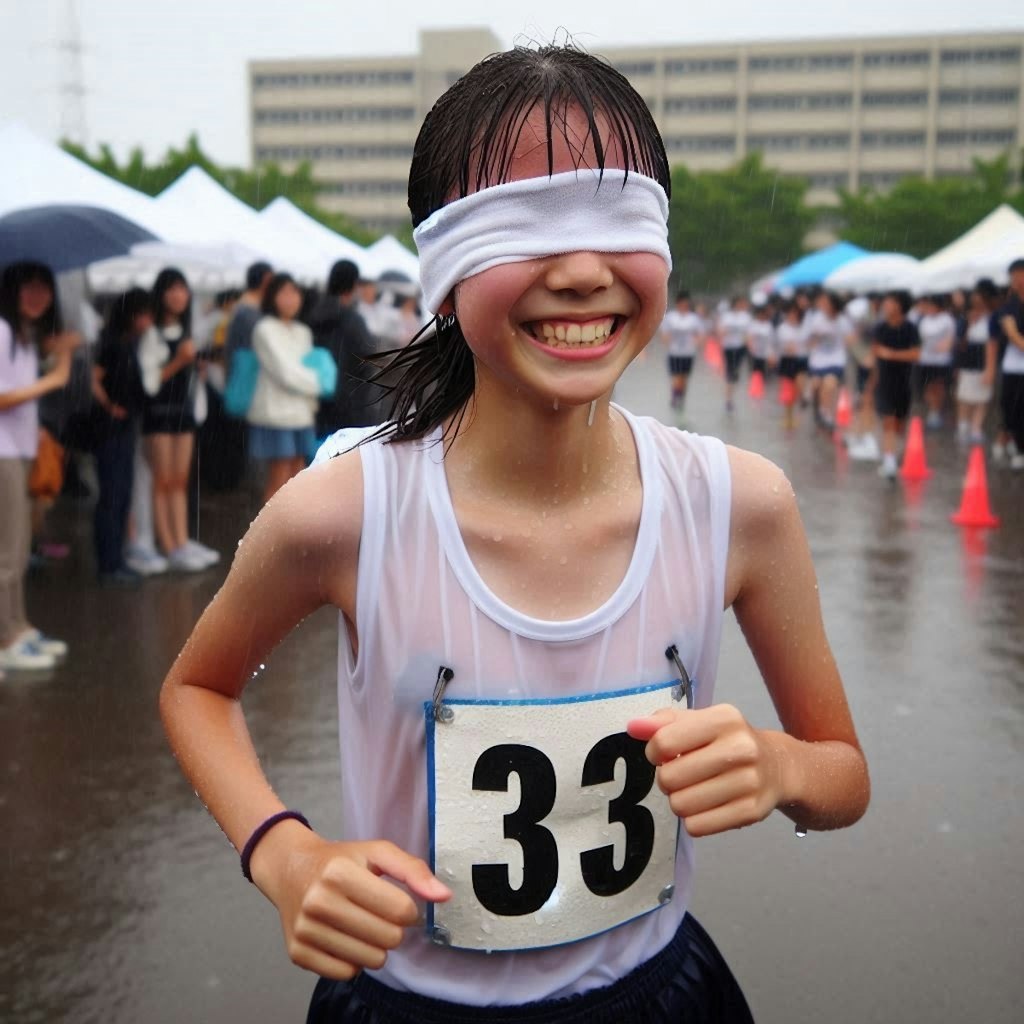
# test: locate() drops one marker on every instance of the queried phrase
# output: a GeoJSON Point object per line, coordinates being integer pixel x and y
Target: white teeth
{"type": "Point", "coordinates": [549, 331]}
{"type": "Point", "coordinates": [588, 333]}
{"type": "Point", "coordinates": [560, 332]}
{"type": "Point", "coordinates": [560, 335]}
{"type": "Point", "coordinates": [573, 334]}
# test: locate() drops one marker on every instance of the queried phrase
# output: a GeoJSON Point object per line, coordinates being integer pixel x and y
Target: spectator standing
{"type": "Point", "coordinates": [30, 326]}
{"type": "Point", "coordinates": [1011, 319]}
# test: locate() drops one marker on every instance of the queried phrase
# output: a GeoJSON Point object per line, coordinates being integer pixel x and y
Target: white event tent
{"type": "Point", "coordinates": [959, 264]}
{"type": "Point", "coordinates": [388, 253]}
{"type": "Point", "coordinates": [223, 216]}
{"type": "Point", "coordinates": [284, 217]}
{"type": "Point", "coordinates": [873, 273]}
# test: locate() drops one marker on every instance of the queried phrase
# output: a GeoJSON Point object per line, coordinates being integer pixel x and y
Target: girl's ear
{"type": "Point", "coordinates": [447, 308]}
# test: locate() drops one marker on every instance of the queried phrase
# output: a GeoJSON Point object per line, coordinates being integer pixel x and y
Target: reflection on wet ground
{"type": "Point", "coordinates": [121, 903]}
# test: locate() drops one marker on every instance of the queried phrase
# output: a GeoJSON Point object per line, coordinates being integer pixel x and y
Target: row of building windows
{"type": "Point", "coordinates": [837, 100]}
{"type": "Point", "coordinates": [821, 61]}
{"type": "Point", "coordinates": [333, 79]}
{"type": "Point", "coordinates": [349, 152]}
{"type": "Point", "coordinates": [365, 188]}
{"type": "Point", "coordinates": [329, 115]}
{"type": "Point", "coordinates": [793, 142]}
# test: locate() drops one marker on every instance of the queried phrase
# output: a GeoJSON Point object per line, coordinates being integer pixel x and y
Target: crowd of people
{"type": "Point", "coordinates": [157, 377]}
{"type": "Point", "coordinates": [950, 356]}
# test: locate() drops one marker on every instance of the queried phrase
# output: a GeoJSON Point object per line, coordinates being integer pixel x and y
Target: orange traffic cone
{"type": "Point", "coordinates": [974, 506]}
{"type": "Point", "coordinates": [915, 464]}
{"type": "Point", "coordinates": [844, 410]}
{"type": "Point", "coordinates": [787, 391]}
{"type": "Point", "coordinates": [756, 389]}
{"type": "Point", "coordinates": [713, 354]}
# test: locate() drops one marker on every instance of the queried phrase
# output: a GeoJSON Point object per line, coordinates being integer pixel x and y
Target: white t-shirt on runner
{"type": "Point", "coordinates": [761, 339]}
{"type": "Point", "coordinates": [683, 330]}
{"type": "Point", "coordinates": [937, 330]}
{"type": "Point", "coordinates": [733, 325]}
{"type": "Point", "coordinates": [827, 338]}
{"type": "Point", "coordinates": [792, 339]}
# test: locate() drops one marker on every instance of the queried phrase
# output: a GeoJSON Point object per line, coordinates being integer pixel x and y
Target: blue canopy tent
{"type": "Point", "coordinates": [813, 269]}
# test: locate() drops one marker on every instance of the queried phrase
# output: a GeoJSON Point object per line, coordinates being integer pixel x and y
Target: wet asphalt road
{"type": "Point", "coordinates": [121, 901]}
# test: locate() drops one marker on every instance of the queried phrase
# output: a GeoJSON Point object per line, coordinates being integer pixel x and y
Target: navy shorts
{"type": "Point", "coordinates": [688, 981]}
{"type": "Point", "coordinates": [680, 366]}
{"type": "Point", "coordinates": [733, 361]}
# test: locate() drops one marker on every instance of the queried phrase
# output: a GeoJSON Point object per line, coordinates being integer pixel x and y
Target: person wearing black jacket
{"type": "Point", "coordinates": [338, 328]}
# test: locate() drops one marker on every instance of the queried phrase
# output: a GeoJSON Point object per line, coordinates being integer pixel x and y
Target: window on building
{"type": "Point", "coordinates": [702, 66]}
{"type": "Point", "coordinates": [699, 104]}
{"type": "Point", "coordinates": [1001, 55]}
{"type": "Point", "coordinates": [802, 62]}
{"type": "Point", "coordinates": [897, 59]}
{"type": "Point", "coordinates": [792, 142]}
{"type": "Point", "coordinates": [964, 97]}
{"type": "Point", "coordinates": [892, 140]}
{"type": "Point", "coordinates": [700, 144]}
{"type": "Point", "coordinates": [631, 68]}
{"type": "Point", "coordinates": [978, 137]}
{"type": "Point", "coordinates": [828, 180]}
{"type": "Point", "coordinates": [881, 179]}
{"type": "Point", "coordinates": [364, 188]}
{"type": "Point", "coordinates": [800, 101]}
{"type": "Point", "coordinates": [895, 99]}
{"type": "Point", "coordinates": [333, 115]}
{"type": "Point", "coordinates": [322, 79]}
{"type": "Point", "coordinates": [348, 152]}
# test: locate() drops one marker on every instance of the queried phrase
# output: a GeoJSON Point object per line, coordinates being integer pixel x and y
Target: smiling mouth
{"type": "Point", "coordinates": [574, 334]}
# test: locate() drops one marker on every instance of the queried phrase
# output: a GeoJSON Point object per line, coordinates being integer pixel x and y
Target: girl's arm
{"type": "Point", "coordinates": [337, 914]}
{"type": "Point", "coordinates": [991, 354]}
{"type": "Point", "coordinates": [99, 392]}
{"type": "Point", "coordinates": [56, 379]}
{"type": "Point", "coordinates": [720, 772]}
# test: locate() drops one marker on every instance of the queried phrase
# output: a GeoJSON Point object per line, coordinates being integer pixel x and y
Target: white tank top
{"type": "Point", "coordinates": [421, 604]}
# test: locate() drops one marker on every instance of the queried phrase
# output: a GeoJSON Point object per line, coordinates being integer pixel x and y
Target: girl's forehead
{"type": "Point", "coordinates": [567, 134]}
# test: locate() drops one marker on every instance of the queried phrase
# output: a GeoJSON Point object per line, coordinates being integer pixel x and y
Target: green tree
{"type": "Point", "coordinates": [731, 225]}
{"type": "Point", "coordinates": [256, 187]}
{"type": "Point", "coordinates": [920, 217]}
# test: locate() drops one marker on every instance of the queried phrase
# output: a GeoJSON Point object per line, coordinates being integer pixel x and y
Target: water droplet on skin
{"type": "Point", "coordinates": [555, 405]}
{"type": "Point", "coordinates": [498, 537]}
{"type": "Point", "coordinates": [801, 833]}
{"type": "Point", "coordinates": [568, 526]}
{"type": "Point", "coordinates": [586, 501]}
{"type": "Point", "coordinates": [563, 560]}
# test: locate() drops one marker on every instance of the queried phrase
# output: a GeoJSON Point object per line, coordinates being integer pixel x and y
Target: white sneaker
{"type": "Point", "coordinates": [47, 644]}
{"type": "Point", "coordinates": [145, 561]}
{"type": "Point", "coordinates": [183, 560]}
{"type": "Point", "coordinates": [201, 551]}
{"type": "Point", "coordinates": [24, 656]}
{"type": "Point", "coordinates": [888, 468]}
{"type": "Point", "coordinates": [963, 432]}
{"type": "Point", "coordinates": [1017, 462]}
{"type": "Point", "coordinates": [998, 451]}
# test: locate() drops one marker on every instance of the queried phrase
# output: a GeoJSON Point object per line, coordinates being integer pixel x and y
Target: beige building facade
{"type": "Point", "coordinates": [842, 113]}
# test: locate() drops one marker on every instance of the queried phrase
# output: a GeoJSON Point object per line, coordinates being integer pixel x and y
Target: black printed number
{"type": "Point", "coordinates": [540, 851]}
{"type": "Point", "coordinates": [597, 865]}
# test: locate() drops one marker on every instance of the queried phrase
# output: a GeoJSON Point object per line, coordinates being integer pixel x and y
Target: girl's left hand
{"type": "Point", "coordinates": [718, 772]}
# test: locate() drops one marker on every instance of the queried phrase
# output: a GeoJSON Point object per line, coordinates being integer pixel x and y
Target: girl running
{"type": "Point", "coordinates": [682, 331]}
{"type": "Point", "coordinates": [791, 336]}
{"type": "Point", "coordinates": [733, 326]}
{"type": "Point", "coordinates": [829, 333]}
{"type": "Point", "coordinates": [761, 340]}
{"type": "Point", "coordinates": [531, 580]}
{"type": "Point", "coordinates": [30, 333]}
{"type": "Point", "coordinates": [897, 346]}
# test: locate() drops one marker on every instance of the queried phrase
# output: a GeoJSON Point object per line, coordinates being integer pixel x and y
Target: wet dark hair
{"type": "Point", "coordinates": [14, 278]}
{"type": "Point", "coordinates": [833, 300]}
{"type": "Point", "coordinates": [165, 281]}
{"type": "Point", "coordinates": [682, 294]}
{"type": "Point", "coordinates": [256, 275]}
{"type": "Point", "coordinates": [122, 313]}
{"type": "Point", "coordinates": [988, 289]}
{"type": "Point", "coordinates": [268, 307]}
{"type": "Point", "coordinates": [902, 299]}
{"type": "Point", "coordinates": [343, 278]}
{"type": "Point", "coordinates": [467, 143]}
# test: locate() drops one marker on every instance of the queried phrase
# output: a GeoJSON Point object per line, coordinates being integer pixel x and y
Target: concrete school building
{"type": "Point", "coordinates": [841, 112]}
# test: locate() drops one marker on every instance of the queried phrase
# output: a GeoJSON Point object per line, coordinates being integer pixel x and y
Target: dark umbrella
{"type": "Point", "coordinates": [67, 237]}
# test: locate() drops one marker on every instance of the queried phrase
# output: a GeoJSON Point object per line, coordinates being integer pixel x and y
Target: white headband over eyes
{"type": "Point", "coordinates": [575, 211]}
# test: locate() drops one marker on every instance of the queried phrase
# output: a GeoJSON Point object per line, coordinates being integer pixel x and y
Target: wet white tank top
{"type": "Point", "coordinates": [421, 604]}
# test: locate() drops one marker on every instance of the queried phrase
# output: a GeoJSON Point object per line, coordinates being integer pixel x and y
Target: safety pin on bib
{"type": "Point", "coordinates": [442, 712]}
{"type": "Point", "coordinates": [685, 687]}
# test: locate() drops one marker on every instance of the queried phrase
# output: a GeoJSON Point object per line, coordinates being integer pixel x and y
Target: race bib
{"type": "Point", "coordinates": [546, 822]}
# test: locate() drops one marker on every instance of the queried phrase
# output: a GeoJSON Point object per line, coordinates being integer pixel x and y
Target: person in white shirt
{"type": "Point", "coordinates": [829, 332]}
{"type": "Point", "coordinates": [761, 341]}
{"type": "Point", "coordinates": [935, 364]}
{"type": "Point", "coordinates": [682, 331]}
{"type": "Point", "coordinates": [791, 338]}
{"type": "Point", "coordinates": [976, 371]}
{"type": "Point", "coordinates": [733, 326]}
{"type": "Point", "coordinates": [284, 404]}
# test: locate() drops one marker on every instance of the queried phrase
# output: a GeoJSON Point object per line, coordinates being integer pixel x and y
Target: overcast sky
{"type": "Point", "coordinates": [156, 70]}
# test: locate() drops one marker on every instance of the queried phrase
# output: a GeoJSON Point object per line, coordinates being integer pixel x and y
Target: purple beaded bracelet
{"type": "Point", "coordinates": [261, 830]}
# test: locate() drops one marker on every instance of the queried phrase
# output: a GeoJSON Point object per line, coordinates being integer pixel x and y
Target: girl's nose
{"type": "Point", "coordinates": [581, 272]}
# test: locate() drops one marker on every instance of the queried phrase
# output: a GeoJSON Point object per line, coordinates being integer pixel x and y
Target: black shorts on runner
{"type": "Point", "coordinates": [929, 374]}
{"type": "Point", "coordinates": [892, 392]}
{"type": "Point", "coordinates": [733, 361]}
{"type": "Point", "coordinates": [791, 366]}
{"type": "Point", "coordinates": [680, 366]}
{"type": "Point", "coordinates": [758, 364]}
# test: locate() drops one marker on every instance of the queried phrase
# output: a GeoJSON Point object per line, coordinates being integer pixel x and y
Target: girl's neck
{"type": "Point", "coordinates": [528, 452]}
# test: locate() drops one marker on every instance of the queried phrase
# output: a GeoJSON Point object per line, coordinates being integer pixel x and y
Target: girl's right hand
{"type": "Point", "coordinates": [338, 914]}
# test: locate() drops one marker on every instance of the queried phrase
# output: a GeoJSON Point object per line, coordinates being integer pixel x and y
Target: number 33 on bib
{"type": "Point", "coordinates": [545, 820]}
